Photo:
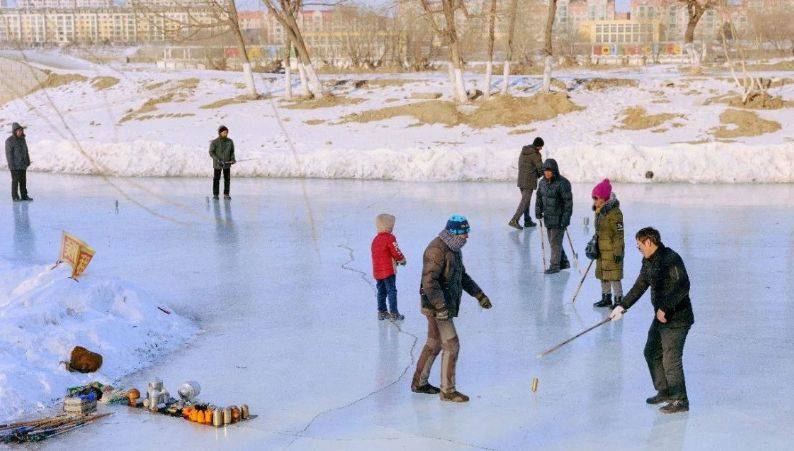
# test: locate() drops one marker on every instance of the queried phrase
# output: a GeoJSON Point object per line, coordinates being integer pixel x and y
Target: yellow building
{"type": "Point", "coordinates": [102, 25]}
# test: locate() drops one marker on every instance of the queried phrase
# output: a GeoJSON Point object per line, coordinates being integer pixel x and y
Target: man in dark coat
{"type": "Point", "coordinates": [664, 272]}
{"type": "Point", "coordinates": [18, 162]}
{"type": "Point", "coordinates": [554, 205]}
{"type": "Point", "coordinates": [222, 153]}
{"type": "Point", "coordinates": [529, 171]}
{"type": "Point", "coordinates": [444, 279]}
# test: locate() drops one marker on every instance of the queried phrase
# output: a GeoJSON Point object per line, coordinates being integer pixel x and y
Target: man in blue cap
{"type": "Point", "coordinates": [444, 279]}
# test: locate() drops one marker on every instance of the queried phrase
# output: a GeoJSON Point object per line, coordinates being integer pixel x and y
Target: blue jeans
{"type": "Point", "coordinates": [387, 288]}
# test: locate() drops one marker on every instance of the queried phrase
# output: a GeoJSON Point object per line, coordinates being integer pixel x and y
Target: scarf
{"type": "Point", "coordinates": [455, 242]}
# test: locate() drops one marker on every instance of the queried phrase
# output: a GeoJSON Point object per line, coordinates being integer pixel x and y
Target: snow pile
{"type": "Point", "coordinates": [698, 163]}
{"type": "Point", "coordinates": [43, 315]}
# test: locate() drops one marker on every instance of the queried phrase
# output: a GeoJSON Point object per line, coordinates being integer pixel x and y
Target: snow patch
{"type": "Point", "coordinates": [717, 162]}
{"type": "Point", "coordinates": [43, 315]}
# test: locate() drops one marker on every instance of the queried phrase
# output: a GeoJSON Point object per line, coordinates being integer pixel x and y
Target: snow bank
{"type": "Point", "coordinates": [698, 163]}
{"type": "Point", "coordinates": [43, 315]}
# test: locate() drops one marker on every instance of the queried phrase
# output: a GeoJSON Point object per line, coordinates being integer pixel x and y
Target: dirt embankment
{"type": "Point", "coordinates": [327, 101]}
{"type": "Point", "coordinates": [173, 91]}
{"type": "Point", "coordinates": [637, 118]}
{"type": "Point", "coordinates": [505, 111]}
{"type": "Point", "coordinates": [739, 123]}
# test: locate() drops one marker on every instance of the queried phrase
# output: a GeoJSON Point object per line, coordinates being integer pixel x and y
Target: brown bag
{"type": "Point", "coordinates": [84, 361]}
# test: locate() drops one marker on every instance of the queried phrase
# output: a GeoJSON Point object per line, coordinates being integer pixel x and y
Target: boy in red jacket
{"type": "Point", "coordinates": [385, 254]}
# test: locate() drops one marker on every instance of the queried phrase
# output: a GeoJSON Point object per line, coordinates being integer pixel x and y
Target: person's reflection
{"type": "Point", "coordinates": [668, 431]}
{"type": "Point", "coordinates": [225, 229]}
{"type": "Point", "coordinates": [24, 240]}
{"type": "Point", "coordinates": [388, 365]}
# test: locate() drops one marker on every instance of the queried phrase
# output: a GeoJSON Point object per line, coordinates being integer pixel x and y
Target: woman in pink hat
{"type": "Point", "coordinates": [609, 235]}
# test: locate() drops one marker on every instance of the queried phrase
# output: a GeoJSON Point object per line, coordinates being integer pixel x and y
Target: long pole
{"type": "Point", "coordinates": [582, 281]}
{"type": "Point", "coordinates": [575, 255]}
{"type": "Point", "coordinates": [542, 244]}
{"type": "Point", "coordinates": [550, 350]}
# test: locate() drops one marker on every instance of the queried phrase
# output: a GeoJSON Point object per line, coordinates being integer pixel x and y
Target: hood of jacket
{"type": "Point", "coordinates": [551, 164]}
{"type": "Point", "coordinates": [14, 127]}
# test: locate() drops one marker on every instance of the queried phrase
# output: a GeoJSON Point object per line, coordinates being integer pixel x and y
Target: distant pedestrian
{"type": "Point", "coordinates": [529, 171]}
{"type": "Point", "coordinates": [444, 279]}
{"type": "Point", "coordinates": [385, 255]}
{"type": "Point", "coordinates": [664, 272]}
{"type": "Point", "coordinates": [609, 236]}
{"type": "Point", "coordinates": [222, 153]}
{"type": "Point", "coordinates": [554, 205]}
{"type": "Point", "coordinates": [18, 161]}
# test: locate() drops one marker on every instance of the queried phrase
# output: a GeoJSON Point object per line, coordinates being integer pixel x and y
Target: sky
{"type": "Point", "coordinates": [620, 5]}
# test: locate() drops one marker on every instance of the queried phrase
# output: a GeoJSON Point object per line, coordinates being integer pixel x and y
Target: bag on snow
{"type": "Point", "coordinates": [591, 251]}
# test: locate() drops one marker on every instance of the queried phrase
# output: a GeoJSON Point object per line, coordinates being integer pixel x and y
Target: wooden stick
{"type": "Point", "coordinates": [582, 281]}
{"type": "Point", "coordinates": [542, 244]}
{"type": "Point", "coordinates": [575, 255]}
{"type": "Point", "coordinates": [550, 350]}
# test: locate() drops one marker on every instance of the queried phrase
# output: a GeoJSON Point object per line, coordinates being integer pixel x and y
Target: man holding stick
{"type": "Point", "coordinates": [222, 153]}
{"type": "Point", "coordinates": [664, 272]}
{"type": "Point", "coordinates": [554, 204]}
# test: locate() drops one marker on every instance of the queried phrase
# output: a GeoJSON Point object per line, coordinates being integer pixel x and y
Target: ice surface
{"type": "Point", "coordinates": [291, 328]}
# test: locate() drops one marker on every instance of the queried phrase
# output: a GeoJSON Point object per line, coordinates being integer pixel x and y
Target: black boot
{"type": "Point", "coordinates": [617, 302]}
{"type": "Point", "coordinates": [529, 223]}
{"type": "Point", "coordinates": [514, 224]}
{"type": "Point", "coordinates": [660, 397]}
{"type": "Point", "coordinates": [675, 406]}
{"type": "Point", "coordinates": [427, 389]}
{"type": "Point", "coordinates": [606, 300]}
{"type": "Point", "coordinates": [565, 264]}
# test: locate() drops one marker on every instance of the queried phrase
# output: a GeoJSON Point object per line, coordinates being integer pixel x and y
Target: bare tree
{"type": "Point", "coordinates": [443, 19]}
{"type": "Point", "coordinates": [695, 10]}
{"type": "Point", "coordinates": [229, 11]}
{"type": "Point", "coordinates": [511, 31]}
{"type": "Point", "coordinates": [489, 67]}
{"type": "Point", "coordinates": [208, 20]}
{"type": "Point", "coordinates": [286, 13]}
{"type": "Point", "coordinates": [548, 52]}
{"type": "Point", "coordinates": [772, 25]}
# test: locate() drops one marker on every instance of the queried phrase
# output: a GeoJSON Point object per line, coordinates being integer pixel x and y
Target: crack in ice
{"type": "Point", "coordinates": [363, 275]}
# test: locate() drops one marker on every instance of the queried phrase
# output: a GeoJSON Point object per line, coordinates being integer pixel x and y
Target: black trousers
{"type": "Point", "coordinates": [664, 353]}
{"type": "Point", "coordinates": [19, 184]}
{"type": "Point", "coordinates": [216, 180]}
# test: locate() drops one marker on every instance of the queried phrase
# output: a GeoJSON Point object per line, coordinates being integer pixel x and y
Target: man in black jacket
{"type": "Point", "coordinates": [529, 170]}
{"type": "Point", "coordinates": [18, 161]}
{"type": "Point", "coordinates": [664, 272]}
{"type": "Point", "coordinates": [554, 205]}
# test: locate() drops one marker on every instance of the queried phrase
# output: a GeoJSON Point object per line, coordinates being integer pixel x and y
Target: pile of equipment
{"type": "Point", "coordinates": [159, 400]}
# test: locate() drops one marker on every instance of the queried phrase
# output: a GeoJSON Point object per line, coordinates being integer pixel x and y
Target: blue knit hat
{"type": "Point", "coordinates": [458, 225]}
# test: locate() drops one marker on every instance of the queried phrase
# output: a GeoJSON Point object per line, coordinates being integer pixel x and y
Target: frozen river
{"type": "Point", "coordinates": [279, 280]}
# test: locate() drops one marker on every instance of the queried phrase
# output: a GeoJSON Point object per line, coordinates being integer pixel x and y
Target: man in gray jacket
{"type": "Point", "coordinates": [529, 170]}
{"type": "Point", "coordinates": [222, 153]}
{"type": "Point", "coordinates": [18, 162]}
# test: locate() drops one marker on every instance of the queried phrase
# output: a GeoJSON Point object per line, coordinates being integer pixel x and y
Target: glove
{"type": "Point", "coordinates": [618, 258]}
{"type": "Point", "coordinates": [539, 217]}
{"type": "Point", "coordinates": [484, 301]}
{"type": "Point", "coordinates": [402, 262]}
{"type": "Point", "coordinates": [617, 313]}
{"type": "Point", "coordinates": [442, 315]}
